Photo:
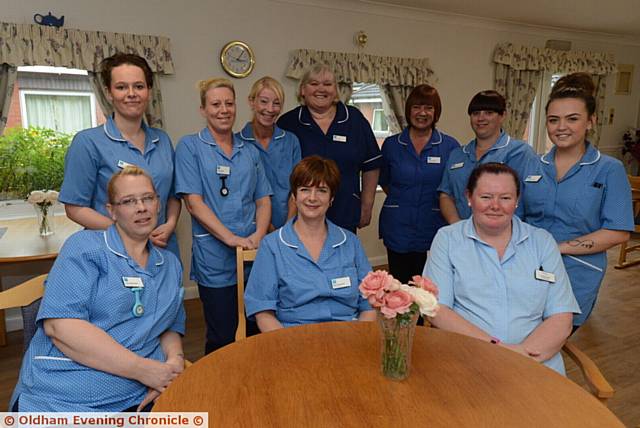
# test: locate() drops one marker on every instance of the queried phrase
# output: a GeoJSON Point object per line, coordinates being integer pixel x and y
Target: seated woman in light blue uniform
{"type": "Point", "coordinates": [223, 184]}
{"type": "Point", "coordinates": [125, 139]}
{"type": "Point", "coordinates": [487, 112]}
{"type": "Point", "coordinates": [413, 163]}
{"type": "Point", "coordinates": [308, 271]}
{"type": "Point", "coordinates": [111, 320]}
{"type": "Point", "coordinates": [500, 279]}
{"type": "Point", "coordinates": [279, 149]}
{"type": "Point", "coordinates": [582, 197]}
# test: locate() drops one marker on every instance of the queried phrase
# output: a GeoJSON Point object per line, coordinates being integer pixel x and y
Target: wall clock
{"type": "Point", "coordinates": [237, 59]}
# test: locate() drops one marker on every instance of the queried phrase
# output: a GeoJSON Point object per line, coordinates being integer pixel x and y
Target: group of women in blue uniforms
{"type": "Point", "coordinates": [238, 187]}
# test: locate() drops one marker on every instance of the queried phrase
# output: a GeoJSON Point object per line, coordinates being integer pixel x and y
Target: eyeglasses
{"type": "Point", "coordinates": [146, 200]}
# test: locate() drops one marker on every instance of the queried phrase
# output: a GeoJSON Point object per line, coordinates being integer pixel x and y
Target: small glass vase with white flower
{"type": "Point", "coordinates": [398, 306]}
{"type": "Point", "coordinates": [43, 201]}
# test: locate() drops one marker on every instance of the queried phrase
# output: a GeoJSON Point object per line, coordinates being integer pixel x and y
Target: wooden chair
{"type": "Point", "coordinates": [596, 382]}
{"type": "Point", "coordinates": [624, 247]}
{"type": "Point", "coordinates": [23, 296]}
{"type": "Point", "coordinates": [241, 257]}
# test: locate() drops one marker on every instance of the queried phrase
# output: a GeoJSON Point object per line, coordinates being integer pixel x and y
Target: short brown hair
{"type": "Point", "coordinates": [487, 101]}
{"type": "Point", "coordinates": [313, 171]}
{"type": "Point", "coordinates": [494, 168]}
{"type": "Point", "coordinates": [423, 95]}
{"type": "Point", "coordinates": [212, 83]}
{"type": "Point", "coordinates": [575, 85]}
{"type": "Point", "coordinates": [108, 64]}
{"type": "Point", "coordinates": [126, 171]}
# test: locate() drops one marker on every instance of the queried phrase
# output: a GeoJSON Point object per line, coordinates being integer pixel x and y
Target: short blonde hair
{"type": "Point", "coordinates": [267, 82]}
{"type": "Point", "coordinates": [129, 170]}
{"type": "Point", "coordinates": [313, 71]}
{"type": "Point", "coordinates": [212, 83]}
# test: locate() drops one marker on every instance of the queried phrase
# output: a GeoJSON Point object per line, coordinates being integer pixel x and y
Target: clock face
{"type": "Point", "coordinates": [237, 59]}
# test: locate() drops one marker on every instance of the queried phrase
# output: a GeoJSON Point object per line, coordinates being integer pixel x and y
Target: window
{"type": "Point", "coordinates": [367, 98]}
{"type": "Point", "coordinates": [536, 132]}
{"type": "Point", "coordinates": [62, 111]}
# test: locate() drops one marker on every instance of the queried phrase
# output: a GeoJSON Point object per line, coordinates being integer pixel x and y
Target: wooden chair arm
{"type": "Point", "coordinates": [592, 375]}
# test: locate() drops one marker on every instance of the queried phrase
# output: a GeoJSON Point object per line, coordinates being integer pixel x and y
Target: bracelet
{"type": "Point", "coordinates": [495, 340]}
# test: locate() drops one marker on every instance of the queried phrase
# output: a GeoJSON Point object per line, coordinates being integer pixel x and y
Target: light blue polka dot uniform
{"type": "Point", "coordinates": [86, 283]}
{"type": "Point", "coordinates": [286, 280]}
{"type": "Point", "coordinates": [594, 194]}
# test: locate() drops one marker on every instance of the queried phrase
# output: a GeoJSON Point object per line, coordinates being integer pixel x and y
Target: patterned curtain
{"type": "Point", "coordinates": [395, 76]}
{"type": "Point", "coordinates": [519, 71]}
{"type": "Point", "coordinates": [8, 74]}
{"type": "Point", "coordinates": [600, 82]}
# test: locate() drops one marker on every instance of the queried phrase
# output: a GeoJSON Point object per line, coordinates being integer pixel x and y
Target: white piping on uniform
{"type": "Point", "coordinates": [300, 118]}
{"type": "Point", "coordinates": [593, 161]}
{"type": "Point", "coordinates": [344, 238]}
{"type": "Point", "coordinates": [109, 247]}
{"type": "Point", "coordinates": [346, 109]}
{"type": "Point", "coordinates": [200, 235]}
{"type": "Point", "coordinates": [372, 159]}
{"type": "Point", "coordinates": [43, 357]}
{"type": "Point", "coordinates": [111, 136]}
{"type": "Point", "coordinates": [586, 263]}
{"type": "Point", "coordinates": [283, 241]}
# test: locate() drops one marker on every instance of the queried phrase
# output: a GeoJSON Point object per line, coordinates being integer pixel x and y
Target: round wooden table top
{"type": "Point", "coordinates": [328, 375]}
{"type": "Point", "coordinates": [22, 242]}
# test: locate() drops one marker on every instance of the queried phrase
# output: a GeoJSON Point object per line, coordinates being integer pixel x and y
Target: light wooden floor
{"type": "Point", "coordinates": [611, 338]}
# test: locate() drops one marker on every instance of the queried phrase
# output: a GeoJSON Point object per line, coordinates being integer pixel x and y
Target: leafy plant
{"type": "Point", "coordinates": [31, 158]}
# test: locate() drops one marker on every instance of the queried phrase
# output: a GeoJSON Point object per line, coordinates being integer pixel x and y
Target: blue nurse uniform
{"type": "Point", "coordinates": [350, 142]}
{"type": "Point", "coordinates": [278, 160]}
{"type": "Point", "coordinates": [96, 154]}
{"type": "Point", "coordinates": [410, 216]}
{"type": "Point", "coordinates": [86, 283]}
{"type": "Point", "coordinates": [594, 194]}
{"type": "Point", "coordinates": [501, 296]}
{"type": "Point", "coordinates": [285, 278]}
{"type": "Point", "coordinates": [463, 161]}
{"type": "Point", "coordinates": [202, 168]}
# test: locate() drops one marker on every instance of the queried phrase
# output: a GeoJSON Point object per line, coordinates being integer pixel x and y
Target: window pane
{"type": "Point", "coordinates": [63, 113]}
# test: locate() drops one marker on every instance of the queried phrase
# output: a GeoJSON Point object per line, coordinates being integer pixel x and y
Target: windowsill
{"type": "Point", "coordinates": [18, 208]}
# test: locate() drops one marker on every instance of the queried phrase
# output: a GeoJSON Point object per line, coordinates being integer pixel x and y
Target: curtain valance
{"type": "Point", "coordinates": [30, 44]}
{"type": "Point", "coordinates": [359, 67]}
{"type": "Point", "coordinates": [520, 57]}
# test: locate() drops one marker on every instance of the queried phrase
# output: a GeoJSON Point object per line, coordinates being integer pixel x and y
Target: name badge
{"type": "Point", "coordinates": [122, 164]}
{"type": "Point", "coordinates": [533, 178]}
{"type": "Point", "coordinates": [457, 165]}
{"type": "Point", "coordinates": [545, 276]}
{"type": "Point", "coordinates": [132, 282]}
{"type": "Point", "coordinates": [433, 159]}
{"type": "Point", "coordinates": [223, 170]}
{"type": "Point", "coordinates": [343, 282]}
{"type": "Point", "coordinates": [340, 138]}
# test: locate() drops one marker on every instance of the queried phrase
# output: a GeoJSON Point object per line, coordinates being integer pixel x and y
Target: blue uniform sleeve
{"type": "Point", "coordinates": [296, 150]}
{"type": "Point", "coordinates": [263, 187]}
{"type": "Point", "coordinates": [372, 158]}
{"type": "Point", "coordinates": [445, 183]}
{"type": "Point", "coordinates": [363, 267]}
{"type": "Point", "coordinates": [439, 269]}
{"type": "Point", "coordinates": [385, 171]}
{"type": "Point", "coordinates": [187, 170]}
{"type": "Point", "coordinates": [261, 293]}
{"type": "Point", "coordinates": [560, 298]}
{"type": "Point", "coordinates": [519, 158]}
{"type": "Point", "coordinates": [71, 284]}
{"type": "Point", "coordinates": [80, 172]}
{"type": "Point", "coordinates": [617, 208]}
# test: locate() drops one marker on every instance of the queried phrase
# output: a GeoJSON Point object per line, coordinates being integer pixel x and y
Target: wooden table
{"type": "Point", "coordinates": [22, 243]}
{"type": "Point", "coordinates": [328, 375]}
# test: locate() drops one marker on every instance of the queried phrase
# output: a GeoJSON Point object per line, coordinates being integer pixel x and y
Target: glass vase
{"type": "Point", "coordinates": [396, 344]}
{"type": "Point", "coordinates": [44, 215]}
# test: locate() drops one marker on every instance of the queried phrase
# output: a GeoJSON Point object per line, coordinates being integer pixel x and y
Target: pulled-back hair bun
{"type": "Point", "coordinates": [575, 85]}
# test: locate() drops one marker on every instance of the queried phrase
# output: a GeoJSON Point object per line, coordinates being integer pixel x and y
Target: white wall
{"type": "Point", "coordinates": [459, 48]}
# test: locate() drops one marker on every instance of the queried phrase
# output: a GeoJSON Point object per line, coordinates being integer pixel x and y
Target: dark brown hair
{"type": "Point", "coordinates": [575, 85]}
{"type": "Point", "coordinates": [492, 168]}
{"type": "Point", "coordinates": [313, 171]}
{"type": "Point", "coordinates": [487, 101]}
{"type": "Point", "coordinates": [108, 64]}
{"type": "Point", "coordinates": [423, 95]}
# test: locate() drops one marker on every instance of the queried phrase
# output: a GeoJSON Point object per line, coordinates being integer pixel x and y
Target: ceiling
{"type": "Point", "coordinates": [615, 17]}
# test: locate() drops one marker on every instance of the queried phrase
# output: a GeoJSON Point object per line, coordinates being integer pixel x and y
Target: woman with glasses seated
{"type": "Point", "coordinates": [109, 328]}
{"type": "Point", "coordinates": [308, 271]}
{"type": "Point", "coordinates": [224, 186]}
{"type": "Point", "coordinates": [125, 139]}
{"type": "Point", "coordinates": [500, 279]}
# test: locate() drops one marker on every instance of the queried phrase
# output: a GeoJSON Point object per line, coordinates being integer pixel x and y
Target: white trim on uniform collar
{"type": "Point", "coordinates": [106, 241]}
{"type": "Point", "coordinates": [213, 143]}
{"type": "Point", "coordinates": [504, 145]}
{"type": "Point", "coordinates": [111, 136]}
{"type": "Point", "coordinates": [283, 241]}
{"type": "Point", "coordinates": [344, 238]}
{"type": "Point", "coordinates": [400, 141]}
{"type": "Point", "coordinates": [161, 262]}
{"type": "Point", "coordinates": [464, 148]}
{"type": "Point", "coordinates": [543, 160]}
{"type": "Point", "coordinates": [282, 134]}
{"type": "Point", "coordinates": [432, 131]}
{"type": "Point", "coordinates": [300, 116]}
{"type": "Point", "coordinates": [245, 137]}
{"type": "Point", "coordinates": [346, 109]}
{"type": "Point", "coordinates": [593, 161]}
